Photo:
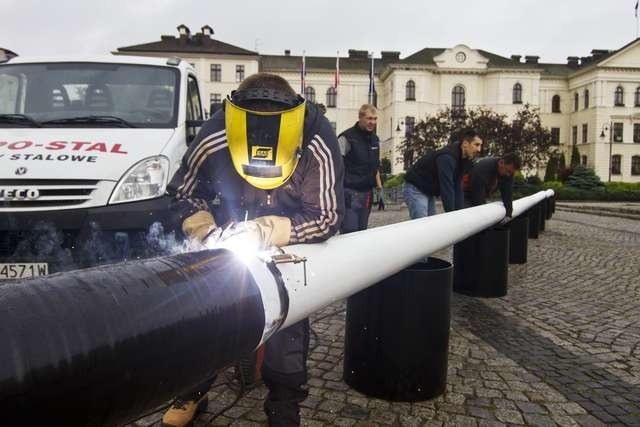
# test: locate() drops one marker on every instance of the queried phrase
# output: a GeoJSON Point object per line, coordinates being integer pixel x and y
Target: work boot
{"type": "Point", "coordinates": [182, 412]}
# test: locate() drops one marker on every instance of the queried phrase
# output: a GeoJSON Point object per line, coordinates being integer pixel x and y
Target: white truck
{"type": "Point", "coordinates": [87, 147]}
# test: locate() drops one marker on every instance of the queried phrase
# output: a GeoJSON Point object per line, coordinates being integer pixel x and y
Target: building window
{"type": "Point", "coordinates": [635, 165]}
{"type": "Point", "coordinates": [457, 98]}
{"type": "Point", "coordinates": [310, 94]}
{"type": "Point", "coordinates": [618, 98]}
{"type": "Point", "coordinates": [574, 135]}
{"type": "Point", "coordinates": [576, 101]}
{"type": "Point", "coordinates": [215, 103]}
{"type": "Point", "coordinates": [216, 73]}
{"type": "Point", "coordinates": [555, 136]}
{"type": "Point", "coordinates": [410, 91]}
{"type": "Point", "coordinates": [409, 125]}
{"type": "Point", "coordinates": [583, 161]}
{"type": "Point", "coordinates": [636, 98]}
{"type": "Point", "coordinates": [555, 104]}
{"type": "Point", "coordinates": [586, 98]}
{"type": "Point", "coordinates": [616, 161]}
{"type": "Point", "coordinates": [331, 97]}
{"type": "Point", "coordinates": [584, 133]}
{"type": "Point", "coordinates": [636, 132]}
{"type": "Point", "coordinates": [617, 132]}
{"type": "Point", "coordinates": [517, 93]}
{"type": "Point", "coordinates": [239, 73]}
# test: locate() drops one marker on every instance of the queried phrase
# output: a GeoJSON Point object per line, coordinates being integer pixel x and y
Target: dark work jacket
{"type": "Point", "coordinates": [362, 161]}
{"type": "Point", "coordinates": [312, 197]}
{"type": "Point", "coordinates": [439, 173]}
{"type": "Point", "coordinates": [484, 180]}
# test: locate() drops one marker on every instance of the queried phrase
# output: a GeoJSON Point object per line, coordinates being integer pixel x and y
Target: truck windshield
{"type": "Point", "coordinates": [141, 95]}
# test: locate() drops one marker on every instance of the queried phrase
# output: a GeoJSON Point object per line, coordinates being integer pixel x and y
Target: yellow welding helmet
{"type": "Point", "coordinates": [265, 146]}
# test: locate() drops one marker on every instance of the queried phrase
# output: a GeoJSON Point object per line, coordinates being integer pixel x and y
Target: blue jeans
{"type": "Point", "coordinates": [419, 204]}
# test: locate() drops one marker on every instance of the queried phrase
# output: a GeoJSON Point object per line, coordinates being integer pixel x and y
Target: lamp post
{"type": "Point", "coordinates": [609, 128]}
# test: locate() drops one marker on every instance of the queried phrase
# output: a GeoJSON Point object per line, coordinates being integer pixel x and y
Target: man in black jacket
{"type": "Point", "coordinates": [272, 158]}
{"type": "Point", "coordinates": [489, 174]}
{"type": "Point", "coordinates": [439, 173]}
{"type": "Point", "coordinates": [360, 148]}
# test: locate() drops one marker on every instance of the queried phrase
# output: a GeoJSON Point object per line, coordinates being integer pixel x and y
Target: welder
{"type": "Point", "coordinates": [265, 169]}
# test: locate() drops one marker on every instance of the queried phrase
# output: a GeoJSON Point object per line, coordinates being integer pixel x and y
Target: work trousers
{"type": "Point", "coordinates": [357, 208]}
{"type": "Point", "coordinates": [284, 372]}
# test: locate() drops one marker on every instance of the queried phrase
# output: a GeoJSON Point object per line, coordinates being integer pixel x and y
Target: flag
{"type": "Point", "coordinates": [303, 74]}
{"type": "Point", "coordinates": [336, 80]}
{"type": "Point", "coordinates": [372, 83]}
{"type": "Point", "coordinates": [637, 1]}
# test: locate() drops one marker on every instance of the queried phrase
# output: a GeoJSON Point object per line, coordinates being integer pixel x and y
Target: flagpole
{"type": "Point", "coordinates": [303, 71]}
{"type": "Point", "coordinates": [636, 13]}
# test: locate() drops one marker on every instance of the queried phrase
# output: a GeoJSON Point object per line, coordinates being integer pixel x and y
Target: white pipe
{"type": "Point", "coordinates": [348, 263]}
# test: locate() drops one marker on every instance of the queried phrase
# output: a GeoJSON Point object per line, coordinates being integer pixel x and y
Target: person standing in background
{"type": "Point", "coordinates": [360, 148]}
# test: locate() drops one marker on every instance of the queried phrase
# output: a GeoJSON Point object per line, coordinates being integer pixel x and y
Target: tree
{"type": "Point", "coordinates": [575, 157]}
{"type": "Point", "coordinates": [584, 179]}
{"type": "Point", "coordinates": [385, 167]}
{"type": "Point", "coordinates": [524, 135]}
{"type": "Point", "coordinates": [551, 172]}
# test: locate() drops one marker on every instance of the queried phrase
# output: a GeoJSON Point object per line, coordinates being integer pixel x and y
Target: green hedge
{"type": "Point", "coordinates": [612, 193]}
{"type": "Point", "coordinates": [394, 181]}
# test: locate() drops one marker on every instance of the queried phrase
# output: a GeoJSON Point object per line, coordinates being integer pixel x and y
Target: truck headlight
{"type": "Point", "coordinates": [145, 180]}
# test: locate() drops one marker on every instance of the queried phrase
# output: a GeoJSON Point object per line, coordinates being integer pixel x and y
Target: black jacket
{"type": "Point", "coordinates": [439, 173]}
{"type": "Point", "coordinates": [362, 161]}
{"type": "Point", "coordinates": [312, 197]}
{"type": "Point", "coordinates": [484, 180]}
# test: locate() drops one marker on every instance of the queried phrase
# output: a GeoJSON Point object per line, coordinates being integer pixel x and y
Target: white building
{"type": "Point", "coordinates": [593, 102]}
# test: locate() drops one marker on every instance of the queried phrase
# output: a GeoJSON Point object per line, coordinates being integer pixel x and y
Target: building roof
{"type": "Point", "coordinates": [198, 43]}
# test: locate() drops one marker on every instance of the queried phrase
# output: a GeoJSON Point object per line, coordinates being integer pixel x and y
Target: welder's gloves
{"type": "Point", "coordinates": [260, 233]}
{"type": "Point", "coordinates": [200, 228]}
{"type": "Point", "coordinates": [198, 225]}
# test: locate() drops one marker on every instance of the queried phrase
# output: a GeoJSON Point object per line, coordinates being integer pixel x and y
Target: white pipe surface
{"type": "Point", "coordinates": [348, 263]}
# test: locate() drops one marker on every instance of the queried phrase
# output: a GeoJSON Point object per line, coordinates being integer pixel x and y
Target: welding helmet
{"type": "Point", "coordinates": [265, 146]}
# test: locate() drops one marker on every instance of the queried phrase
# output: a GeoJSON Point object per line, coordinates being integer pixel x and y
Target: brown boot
{"type": "Point", "coordinates": [182, 413]}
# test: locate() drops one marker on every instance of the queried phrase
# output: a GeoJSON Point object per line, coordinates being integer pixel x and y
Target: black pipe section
{"type": "Point", "coordinates": [543, 214]}
{"type": "Point", "coordinates": [102, 346]}
{"type": "Point", "coordinates": [518, 239]}
{"type": "Point", "coordinates": [481, 264]}
{"type": "Point", "coordinates": [534, 221]}
{"type": "Point", "coordinates": [397, 334]}
{"type": "Point", "coordinates": [549, 204]}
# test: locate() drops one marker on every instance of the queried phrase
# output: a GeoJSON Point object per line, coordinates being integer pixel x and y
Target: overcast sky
{"type": "Point", "coordinates": [552, 29]}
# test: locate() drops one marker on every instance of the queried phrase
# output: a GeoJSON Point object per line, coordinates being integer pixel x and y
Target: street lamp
{"type": "Point", "coordinates": [608, 128]}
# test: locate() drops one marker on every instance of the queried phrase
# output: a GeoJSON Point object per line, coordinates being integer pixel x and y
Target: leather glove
{"type": "Point", "coordinates": [260, 233]}
{"type": "Point", "coordinates": [199, 226]}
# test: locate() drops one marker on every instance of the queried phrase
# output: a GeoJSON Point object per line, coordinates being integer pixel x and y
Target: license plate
{"type": "Point", "coordinates": [23, 270]}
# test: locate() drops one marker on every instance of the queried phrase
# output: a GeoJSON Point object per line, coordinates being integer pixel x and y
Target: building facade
{"type": "Point", "coordinates": [592, 102]}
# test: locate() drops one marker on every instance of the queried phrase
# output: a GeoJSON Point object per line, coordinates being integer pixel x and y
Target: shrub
{"type": "Point", "coordinates": [553, 185]}
{"type": "Point", "coordinates": [394, 181]}
{"type": "Point", "coordinates": [534, 179]}
{"type": "Point", "coordinates": [584, 178]}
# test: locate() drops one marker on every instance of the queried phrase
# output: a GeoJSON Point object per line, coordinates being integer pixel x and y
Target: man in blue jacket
{"type": "Point", "coordinates": [439, 173]}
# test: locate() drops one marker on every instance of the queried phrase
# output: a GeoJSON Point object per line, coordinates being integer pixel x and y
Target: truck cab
{"type": "Point", "coordinates": [87, 147]}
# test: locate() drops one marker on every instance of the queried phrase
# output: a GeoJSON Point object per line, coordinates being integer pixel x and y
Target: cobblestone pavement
{"type": "Point", "coordinates": [562, 348]}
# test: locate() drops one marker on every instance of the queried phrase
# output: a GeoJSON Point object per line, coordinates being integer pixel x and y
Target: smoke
{"type": "Point", "coordinates": [93, 246]}
{"type": "Point", "coordinates": [44, 243]}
